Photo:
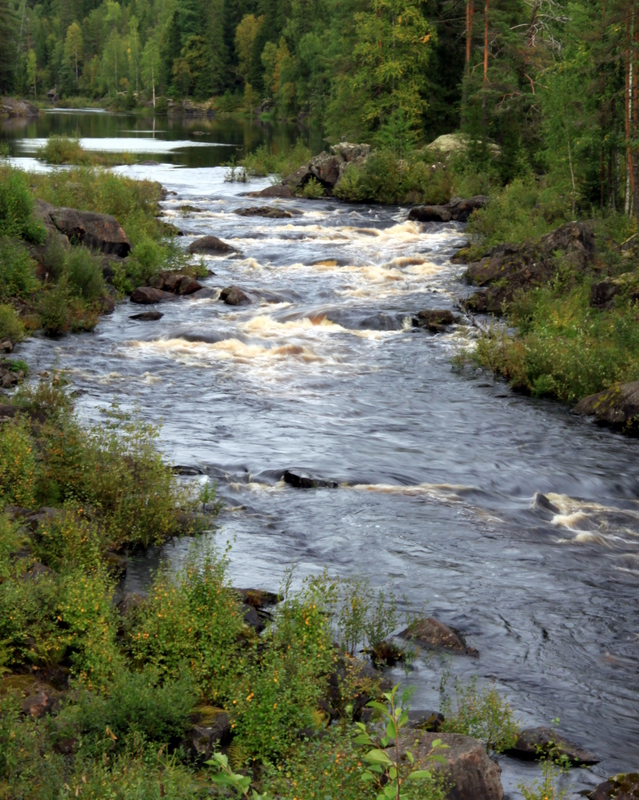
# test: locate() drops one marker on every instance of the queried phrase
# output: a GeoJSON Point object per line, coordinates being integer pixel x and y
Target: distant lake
{"type": "Point", "coordinates": [188, 141]}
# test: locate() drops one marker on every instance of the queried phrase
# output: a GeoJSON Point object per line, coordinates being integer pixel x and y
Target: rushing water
{"type": "Point", "coordinates": [438, 468]}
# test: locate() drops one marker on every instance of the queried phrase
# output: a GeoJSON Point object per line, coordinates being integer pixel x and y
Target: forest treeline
{"type": "Point", "coordinates": [554, 84]}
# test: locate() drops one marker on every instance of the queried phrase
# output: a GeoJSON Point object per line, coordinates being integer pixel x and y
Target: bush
{"type": "Point", "coordinates": [55, 317]}
{"type": "Point", "coordinates": [17, 269]}
{"type": "Point", "coordinates": [19, 468]}
{"type": "Point", "coordinates": [162, 106]}
{"type": "Point", "coordinates": [65, 150]}
{"type": "Point", "coordinates": [481, 713]}
{"type": "Point", "coordinates": [16, 207]}
{"type": "Point", "coordinates": [85, 273]}
{"type": "Point", "coordinates": [266, 160]}
{"type": "Point", "coordinates": [134, 703]}
{"type": "Point", "coordinates": [193, 620]}
{"type": "Point", "coordinates": [313, 190]}
{"type": "Point", "coordinates": [11, 326]}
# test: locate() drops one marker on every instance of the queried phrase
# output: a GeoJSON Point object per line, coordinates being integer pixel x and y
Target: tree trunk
{"type": "Point", "coordinates": [635, 113]}
{"type": "Point", "coordinates": [484, 119]}
{"type": "Point", "coordinates": [627, 109]}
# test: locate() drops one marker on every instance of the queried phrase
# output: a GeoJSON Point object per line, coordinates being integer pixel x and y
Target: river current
{"type": "Point", "coordinates": [438, 466]}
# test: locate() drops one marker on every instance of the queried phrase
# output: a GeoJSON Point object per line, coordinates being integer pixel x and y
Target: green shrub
{"type": "Point", "coordinates": [481, 713]}
{"type": "Point", "coordinates": [17, 269]}
{"type": "Point", "coordinates": [69, 539]}
{"type": "Point", "coordinates": [193, 620]}
{"type": "Point", "coordinates": [54, 308]}
{"type": "Point", "coordinates": [85, 273]}
{"type": "Point", "coordinates": [19, 468]}
{"type": "Point", "coordinates": [11, 326]}
{"type": "Point", "coordinates": [162, 106]}
{"type": "Point", "coordinates": [16, 207]}
{"type": "Point", "coordinates": [266, 160]}
{"type": "Point", "coordinates": [65, 150]}
{"type": "Point", "coordinates": [135, 703]}
{"type": "Point", "coordinates": [313, 190]}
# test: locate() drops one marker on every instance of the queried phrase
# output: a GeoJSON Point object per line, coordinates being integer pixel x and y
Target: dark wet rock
{"type": "Point", "coordinates": [430, 214]}
{"type": "Point", "coordinates": [205, 293]}
{"type": "Point", "coordinates": [434, 320]}
{"type": "Point", "coordinates": [297, 179]}
{"type": "Point", "coordinates": [148, 316]}
{"type": "Point", "coordinates": [264, 211]}
{"type": "Point", "coordinates": [8, 412]}
{"type": "Point", "coordinates": [258, 598]}
{"type": "Point", "coordinates": [624, 786]}
{"type": "Point", "coordinates": [431, 633]}
{"type": "Point", "coordinates": [279, 190]}
{"type": "Point", "coordinates": [234, 296]}
{"type": "Point", "coordinates": [380, 322]}
{"type": "Point", "coordinates": [253, 619]}
{"type": "Point", "coordinates": [211, 731]}
{"type": "Point", "coordinates": [106, 303]}
{"type": "Point", "coordinates": [471, 773]}
{"type": "Point", "coordinates": [542, 742]}
{"type": "Point", "coordinates": [10, 376]}
{"type": "Point", "coordinates": [37, 705]}
{"type": "Point", "coordinates": [187, 209]}
{"type": "Point", "coordinates": [509, 268]}
{"type": "Point", "coordinates": [603, 293]}
{"type": "Point", "coordinates": [210, 245]}
{"type": "Point", "coordinates": [617, 407]}
{"type": "Point", "coordinates": [145, 295]}
{"type": "Point", "coordinates": [325, 168]}
{"type": "Point", "coordinates": [129, 602]}
{"type": "Point", "coordinates": [169, 229]}
{"type": "Point", "coordinates": [461, 208]}
{"type": "Point", "coordinates": [97, 231]}
{"type": "Point", "coordinates": [540, 501]}
{"type": "Point", "coordinates": [180, 469]}
{"type": "Point", "coordinates": [188, 286]}
{"type": "Point", "coordinates": [302, 480]}
{"type": "Point", "coordinates": [425, 720]}
{"type": "Point", "coordinates": [175, 282]}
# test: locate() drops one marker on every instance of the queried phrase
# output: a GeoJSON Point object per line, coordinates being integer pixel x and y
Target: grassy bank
{"type": "Point", "coordinates": [65, 150]}
{"type": "Point", "coordinates": [104, 701]}
{"type": "Point", "coordinates": [562, 340]}
{"type": "Point", "coordinates": [57, 288]}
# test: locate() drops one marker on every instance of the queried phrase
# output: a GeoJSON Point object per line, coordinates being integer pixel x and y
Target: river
{"type": "Point", "coordinates": [438, 467]}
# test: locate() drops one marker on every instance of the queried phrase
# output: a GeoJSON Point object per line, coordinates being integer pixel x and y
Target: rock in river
{"type": "Point", "coordinates": [471, 774]}
{"type": "Point", "coordinates": [278, 190]}
{"type": "Point", "coordinates": [617, 407]}
{"type": "Point", "coordinates": [210, 245]}
{"type": "Point", "coordinates": [147, 294]}
{"type": "Point", "coordinates": [430, 214]}
{"type": "Point", "coordinates": [541, 742]}
{"type": "Point", "coordinates": [264, 211]}
{"type": "Point", "coordinates": [431, 633]}
{"type": "Point", "coordinates": [434, 320]}
{"type": "Point", "coordinates": [148, 316]}
{"type": "Point", "coordinates": [302, 480]}
{"type": "Point", "coordinates": [97, 231]}
{"type": "Point", "coordinates": [234, 296]}
{"type": "Point", "coordinates": [622, 787]}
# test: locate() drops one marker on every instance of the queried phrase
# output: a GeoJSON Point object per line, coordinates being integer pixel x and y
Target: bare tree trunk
{"type": "Point", "coordinates": [635, 113]}
{"type": "Point", "coordinates": [470, 13]}
{"type": "Point", "coordinates": [153, 80]}
{"type": "Point", "coordinates": [484, 120]}
{"type": "Point", "coordinates": [628, 106]}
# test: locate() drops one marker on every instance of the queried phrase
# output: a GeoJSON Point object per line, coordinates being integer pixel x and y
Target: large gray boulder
{"type": "Point", "coordinates": [435, 635]}
{"type": "Point", "coordinates": [210, 245]}
{"type": "Point", "coordinates": [617, 407]}
{"type": "Point", "coordinates": [543, 742]}
{"type": "Point", "coordinates": [471, 773]}
{"type": "Point", "coordinates": [97, 231]}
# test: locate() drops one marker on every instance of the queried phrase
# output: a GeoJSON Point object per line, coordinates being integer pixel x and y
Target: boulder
{"type": "Point", "coordinates": [542, 503]}
{"type": "Point", "coordinates": [603, 293]}
{"type": "Point", "coordinates": [12, 107]}
{"type": "Point", "coordinates": [148, 316]}
{"type": "Point", "coordinates": [297, 179]}
{"type": "Point", "coordinates": [210, 245]}
{"type": "Point", "coordinates": [205, 294]}
{"type": "Point", "coordinates": [302, 480]}
{"type": "Point", "coordinates": [234, 296]}
{"type": "Point", "coordinates": [326, 168]}
{"type": "Point", "coordinates": [253, 619]}
{"type": "Point", "coordinates": [278, 190]}
{"type": "Point", "coordinates": [37, 705]}
{"type": "Point", "coordinates": [188, 285]}
{"type": "Point", "coordinates": [617, 407]}
{"type": "Point", "coordinates": [351, 153]}
{"type": "Point", "coordinates": [212, 730]}
{"type": "Point", "coordinates": [258, 598]}
{"type": "Point", "coordinates": [436, 321]}
{"type": "Point", "coordinates": [450, 144]}
{"type": "Point", "coordinates": [425, 720]}
{"type": "Point", "coordinates": [470, 772]}
{"type": "Point", "coordinates": [353, 683]}
{"type": "Point", "coordinates": [431, 633]}
{"type": "Point", "coordinates": [624, 786]}
{"type": "Point", "coordinates": [98, 231]}
{"type": "Point", "coordinates": [509, 268]}
{"type": "Point", "coordinates": [461, 208]}
{"type": "Point", "coordinates": [264, 211]}
{"type": "Point", "coordinates": [130, 601]}
{"type": "Point", "coordinates": [430, 214]}
{"type": "Point", "coordinates": [542, 742]}
{"type": "Point", "coordinates": [145, 295]}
